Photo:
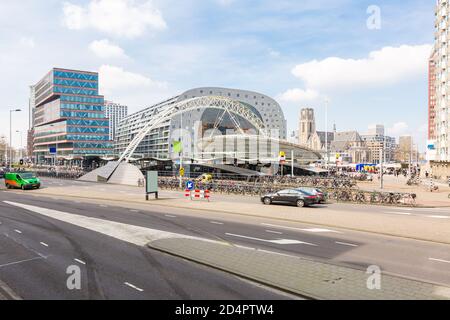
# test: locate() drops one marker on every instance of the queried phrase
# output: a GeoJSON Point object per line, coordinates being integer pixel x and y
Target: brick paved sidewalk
{"type": "Point", "coordinates": [304, 277]}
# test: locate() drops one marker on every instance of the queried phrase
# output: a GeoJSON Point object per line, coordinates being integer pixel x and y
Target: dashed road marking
{"type": "Point", "coordinates": [275, 232]}
{"type": "Point", "coordinates": [399, 213]}
{"type": "Point", "coordinates": [439, 217]}
{"type": "Point", "coordinates": [79, 261]}
{"type": "Point", "coordinates": [346, 244]}
{"type": "Point", "coordinates": [312, 230]}
{"type": "Point", "coordinates": [133, 286]}
{"type": "Point", "coordinates": [439, 260]}
{"type": "Point", "coordinates": [170, 216]}
{"type": "Point", "coordinates": [103, 206]}
{"type": "Point", "coordinates": [44, 244]}
{"type": "Point", "coordinates": [134, 210]}
{"type": "Point", "coordinates": [215, 222]}
{"type": "Point", "coordinates": [17, 231]}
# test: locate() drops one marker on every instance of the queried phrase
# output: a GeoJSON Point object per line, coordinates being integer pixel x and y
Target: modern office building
{"type": "Point", "coordinates": [30, 132]}
{"type": "Point", "coordinates": [406, 152]}
{"type": "Point", "coordinates": [69, 116]}
{"type": "Point", "coordinates": [115, 112]}
{"type": "Point", "coordinates": [159, 144]}
{"type": "Point", "coordinates": [382, 148]}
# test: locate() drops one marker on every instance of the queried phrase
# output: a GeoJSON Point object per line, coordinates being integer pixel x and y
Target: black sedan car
{"type": "Point", "coordinates": [292, 196]}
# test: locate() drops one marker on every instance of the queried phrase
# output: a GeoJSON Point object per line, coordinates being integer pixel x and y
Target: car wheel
{"type": "Point", "coordinates": [300, 203]}
{"type": "Point", "coordinates": [23, 187]}
{"type": "Point", "coordinates": [267, 201]}
{"type": "Point", "coordinates": [8, 186]}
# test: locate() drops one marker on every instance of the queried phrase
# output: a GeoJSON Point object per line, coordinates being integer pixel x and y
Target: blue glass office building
{"type": "Point", "coordinates": [69, 115]}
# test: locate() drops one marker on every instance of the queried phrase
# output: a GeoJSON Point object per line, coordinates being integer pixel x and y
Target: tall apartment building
{"type": "Point", "coordinates": [440, 64]}
{"type": "Point", "coordinates": [69, 115]}
{"type": "Point", "coordinates": [115, 112]}
{"type": "Point", "coordinates": [432, 96]}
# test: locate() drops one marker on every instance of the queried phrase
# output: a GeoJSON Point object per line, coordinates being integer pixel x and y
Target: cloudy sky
{"type": "Point", "coordinates": [299, 52]}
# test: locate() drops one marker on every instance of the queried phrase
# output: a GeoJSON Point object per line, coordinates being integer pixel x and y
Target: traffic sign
{"type": "Point", "coordinates": [190, 185]}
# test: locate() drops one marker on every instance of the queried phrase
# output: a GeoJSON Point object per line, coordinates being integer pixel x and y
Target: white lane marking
{"type": "Point", "coordinates": [313, 230]}
{"type": "Point", "coordinates": [279, 241]}
{"type": "Point", "coordinates": [439, 217]}
{"type": "Point", "coordinates": [319, 230]}
{"type": "Point", "coordinates": [44, 244]}
{"type": "Point", "coordinates": [18, 231]}
{"type": "Point", "coordinates": [400, 213]}
{"type": "Point", "coordinates": [439, 260]}
{"type": "Point", "coordinates": [133, 210]}
{"type": "Point", "coordinates": [21, 261]}
{"type": "Point", "coordinates": [170, 216]}
{"type": "Point", "coordinates": [103, 206]}
{"type": "Point", "coordinates": [275, 232]}
{"type": "Point", "coordinates": [80, 261]}
{"type": "Point", "coordinates": [346, 244]}
{"type": "Point", "coordinates": [133, 286]}
{"type": "Point", "coordinates": [215, 222]}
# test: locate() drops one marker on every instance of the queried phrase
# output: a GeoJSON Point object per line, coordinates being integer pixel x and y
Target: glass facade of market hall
{"type": "Point", "coordinates": [69, 115]}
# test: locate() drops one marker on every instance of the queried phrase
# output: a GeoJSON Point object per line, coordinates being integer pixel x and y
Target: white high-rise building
{"type": "Point", "coordinates": [115, 112]}
{"type": "Point", "coordinates": [442, 92]}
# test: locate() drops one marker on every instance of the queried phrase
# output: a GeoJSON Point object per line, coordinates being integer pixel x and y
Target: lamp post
{"type": "Point", "coordinates": [10, 134]}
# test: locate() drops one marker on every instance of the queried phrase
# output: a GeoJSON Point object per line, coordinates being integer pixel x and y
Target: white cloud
{"type": "Point", "coordinates": [298, 95]}
{"type": "Point", "coordinates": [383, 67]}
{"type": "Point", "coordinates": [122, 18]}
{"type": "Point", "coordinates": [132, 89]}
{"type": "Point", "coordinates": [27, 42]}
{"type": "Point", "coordinates": [112, 77]}
{"type": "Point", "coordinates": [105, 49]}
{"type": "Point", "coordinates": [398, 129]}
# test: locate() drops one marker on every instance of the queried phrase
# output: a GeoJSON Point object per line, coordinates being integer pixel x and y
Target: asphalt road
{"type": "Point", "coordinates": [35, 252]}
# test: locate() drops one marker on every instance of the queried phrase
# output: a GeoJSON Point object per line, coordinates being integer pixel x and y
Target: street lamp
{"type": "Point", "coordinates": [10, 134]}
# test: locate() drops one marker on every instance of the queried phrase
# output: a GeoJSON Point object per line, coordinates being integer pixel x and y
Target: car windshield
{"type": "Point", "coordinates": [27, 175]}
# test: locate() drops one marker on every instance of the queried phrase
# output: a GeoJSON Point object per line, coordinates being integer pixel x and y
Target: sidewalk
{"type": "Point", "coordinates": [357, 218]}
{"type": "Point", "coordinates": [424, 196]}
{"type": "Point", "coordinates": [304, 277]}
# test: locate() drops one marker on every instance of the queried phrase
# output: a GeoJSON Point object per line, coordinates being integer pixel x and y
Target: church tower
{"type": "Point", "coordinates": [307, 125]}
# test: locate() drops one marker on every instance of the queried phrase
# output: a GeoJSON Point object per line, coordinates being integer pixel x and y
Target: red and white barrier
{"type": "Point", "coordinates": [198, 194]}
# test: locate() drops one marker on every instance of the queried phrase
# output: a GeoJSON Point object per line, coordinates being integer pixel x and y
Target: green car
{"type": "Point", "coordinates": [22, 180]}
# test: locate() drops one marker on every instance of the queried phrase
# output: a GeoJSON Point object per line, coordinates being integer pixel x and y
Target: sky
{"type": "Point", "coordinates": [368, 58]}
